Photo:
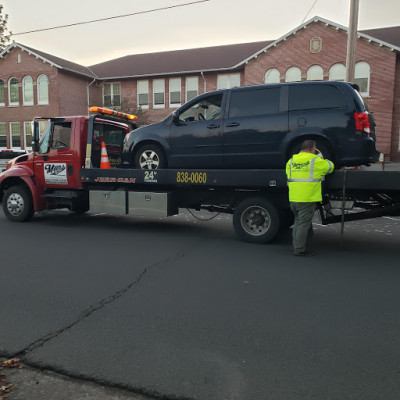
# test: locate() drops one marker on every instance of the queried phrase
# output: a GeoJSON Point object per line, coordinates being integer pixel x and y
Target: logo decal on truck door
{"type": "Point", "coordinates": [55, 173]}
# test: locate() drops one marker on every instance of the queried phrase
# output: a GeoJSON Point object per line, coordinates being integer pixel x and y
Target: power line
{"type": "Point", "coordinates": [315, 2]}
{"type": "Point", "coordinates": [109, 18]}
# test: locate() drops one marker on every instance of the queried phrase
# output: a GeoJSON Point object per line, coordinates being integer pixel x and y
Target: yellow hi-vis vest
{"type": "Point", "coordinates": [305, 172]}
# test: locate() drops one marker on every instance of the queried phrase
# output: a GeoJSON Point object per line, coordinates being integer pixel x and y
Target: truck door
{"type": "Point", "coordinates": [54, 162]}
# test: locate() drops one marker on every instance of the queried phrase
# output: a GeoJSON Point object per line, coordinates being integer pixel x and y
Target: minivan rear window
{"type": "Point", "coordinates": [310, 97]}
{"type": "Point", "coordinates": [247, 103]}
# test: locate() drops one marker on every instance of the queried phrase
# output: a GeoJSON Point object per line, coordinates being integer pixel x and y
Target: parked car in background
{"type": "Point", "coordinates": [258, 127]}
{"type": "Point", "coordinates": [7, 155]}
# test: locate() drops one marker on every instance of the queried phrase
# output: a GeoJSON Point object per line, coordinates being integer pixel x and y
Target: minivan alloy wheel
{"type": "Point", "coordinates": [150, 156]}
{"type": "Point", "coordinates": [149, 160]}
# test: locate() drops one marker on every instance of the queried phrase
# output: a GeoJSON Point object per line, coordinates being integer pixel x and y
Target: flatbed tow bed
{"type": "Point", "coordinates": [255, 196]}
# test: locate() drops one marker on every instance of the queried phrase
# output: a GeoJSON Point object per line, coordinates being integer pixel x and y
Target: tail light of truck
{"type": "Point", "coordinates": [362, 122]}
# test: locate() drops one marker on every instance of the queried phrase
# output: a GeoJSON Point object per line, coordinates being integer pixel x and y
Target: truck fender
{"type": "Point", "coordinates": [23, 175]}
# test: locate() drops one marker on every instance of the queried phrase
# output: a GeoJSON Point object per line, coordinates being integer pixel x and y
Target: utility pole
{"type": "Point", "coordinates": [351, 40]}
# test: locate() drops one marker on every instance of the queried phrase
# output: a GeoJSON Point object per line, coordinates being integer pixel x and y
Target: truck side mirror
{"type": "Point", "coordinates": [35, 137]}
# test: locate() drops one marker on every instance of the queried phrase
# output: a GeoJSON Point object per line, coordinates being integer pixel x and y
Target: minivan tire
{"type": "Point", "coordinates": [149, 156]}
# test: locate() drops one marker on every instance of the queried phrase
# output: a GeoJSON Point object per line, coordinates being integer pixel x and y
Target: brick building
{"type": "Point", "coordinates": [34, 83]}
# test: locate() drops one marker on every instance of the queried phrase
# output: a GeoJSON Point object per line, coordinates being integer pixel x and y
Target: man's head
{"type": "Point", "coordinates": [308, 146]}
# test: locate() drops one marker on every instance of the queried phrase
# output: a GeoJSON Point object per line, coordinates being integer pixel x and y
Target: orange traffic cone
{"type": "Point", "coordinates": [104, 163]}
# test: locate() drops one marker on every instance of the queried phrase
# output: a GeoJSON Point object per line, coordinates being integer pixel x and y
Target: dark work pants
{"type": "Point", "coordinates": [302, 227]}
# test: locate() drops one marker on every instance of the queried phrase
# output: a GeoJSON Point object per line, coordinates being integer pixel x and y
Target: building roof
{"type": "Point", "coordinates": [206, 59]}
{"type": "Point", "coordinates": [178, 61]}
{"type": "Point", "coordinates": [220, 58]}
{"type": "Point", "coordinates": [388, 35]}
{"type": "Point", "coordinates": [52, 60]}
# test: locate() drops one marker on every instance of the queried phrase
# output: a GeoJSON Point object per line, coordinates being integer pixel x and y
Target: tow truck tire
{"type": "Point", "coordinates": [150, 156]}
{"type": "Point", "coordinates": [18, 204]}
{"type": "Point", "coordinates": [256, 220]}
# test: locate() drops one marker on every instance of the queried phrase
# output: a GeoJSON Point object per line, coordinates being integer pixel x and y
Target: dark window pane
{"type": "Point", "coordinates": [175, 97]}
{"type": "Point", "coordinates": [143, 99]}
{"type": "Point", "coordinates": [107, 101]}
{"type": "Point", "coordinates": [310, 97]}
{"type": "Point", "coordinates": [158, 98]}
{"type": "Point", "coordinates": [191, 94]}
{"type": "Point", "coordinates": [254, 102]}
{"type": "Point", "coordinates": [116, 100]}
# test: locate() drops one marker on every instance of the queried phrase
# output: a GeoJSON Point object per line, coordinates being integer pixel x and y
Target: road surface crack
{"type": "Point", "coordinates": [102, 303]}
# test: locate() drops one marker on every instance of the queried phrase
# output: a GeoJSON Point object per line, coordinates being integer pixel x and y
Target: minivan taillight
{"type": "Point", "coordinates": [362, 122]}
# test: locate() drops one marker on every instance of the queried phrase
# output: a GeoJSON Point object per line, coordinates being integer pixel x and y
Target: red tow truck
{"type": "Point", "coordinates": [63, 171]}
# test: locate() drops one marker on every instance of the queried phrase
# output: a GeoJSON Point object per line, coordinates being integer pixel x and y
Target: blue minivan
{"type": "Point", "coordinates": [257, 127]}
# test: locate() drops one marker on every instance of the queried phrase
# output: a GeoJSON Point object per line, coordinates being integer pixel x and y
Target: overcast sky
{"type": "Point", "coordinates": [210, 23]}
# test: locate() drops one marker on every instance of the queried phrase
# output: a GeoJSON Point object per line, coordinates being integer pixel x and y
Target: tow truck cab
{"type": "Point", "coordinates": [50, 174]}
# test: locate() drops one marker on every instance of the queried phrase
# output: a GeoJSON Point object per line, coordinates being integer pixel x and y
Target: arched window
{"type": "Point", "coordinates": [2, 97]}
{"type": "Point", "coordinates": [13, 92]}
{"type": "Point", "coordinates": [315, 73]}
{"type": "Point", "coordinates": [43, 89]}
{"type": "Point", "coordinates": [362, 77]}
{"type": "Point", "coordinates": [272, 76]}
{"type": "Point", "coordinates": [293, 74]}
{"type": "Point", "coordinates": [337, 72]}
{"type": "Point", "coordinates": [27, 90]}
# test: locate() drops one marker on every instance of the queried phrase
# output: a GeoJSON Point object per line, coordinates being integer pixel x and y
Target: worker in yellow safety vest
{"type": "Point", "coordinates": [305, 171]}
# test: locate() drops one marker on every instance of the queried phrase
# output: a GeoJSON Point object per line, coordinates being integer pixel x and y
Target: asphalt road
{"type": "Point", "coordinates": [181, 308]}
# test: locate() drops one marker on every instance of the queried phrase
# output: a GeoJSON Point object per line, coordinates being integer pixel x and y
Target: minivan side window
{"type": "Point", "coordinates": [311, 97]}
{"type": "Point", "coordinates": [250, 103]}
{"type": "Point", "coordinates": [208, 108]}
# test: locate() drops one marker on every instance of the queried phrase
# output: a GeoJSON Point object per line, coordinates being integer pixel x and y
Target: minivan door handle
{"type": "Point", "coordinates": [232, 124]}
{"type": "Point", "coordinates": [213, 126]}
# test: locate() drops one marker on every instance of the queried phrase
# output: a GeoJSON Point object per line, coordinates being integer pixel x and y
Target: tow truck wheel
{"type": "Point", "coordinates": [18, 204]}
{"type": "Point", "coordinates": [150, 156]}
{"type": "Point", "coordinates": [256, 220]}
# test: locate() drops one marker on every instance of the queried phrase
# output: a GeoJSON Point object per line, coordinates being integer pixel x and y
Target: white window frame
{"type": "Point", "coordinates": [27, 126]}
{"type": "Point", "coordinates": [293, 74]}
{"type": "Point", "coordinates": [315, 73]}
{"type": "Point", "coordinates": [115, 90]}
{"type": "Point", "coordinates": [191, 85]}
{"type": "Point", "coordinates": [337, 72]}
{"type": "Point", "coordinates": [175, 86]}
{"type": "Point", "coordinates": [11, 135]}
{"type": "Point", "coordinates": [41, 80]}
{"type": "Point", "coordinates": [3, 103]}
{"type": "Point", "coordinates": [3, 125]}
{"type": "Point", "coordinates": [228, 81]}
{"type": "Point", "coordinates": [143, 89]}
{"type": "Point", "coordinates": [24, 90]}
{"type": "Point", "coordinates": [362, 70]}
{"type": "Point", "coordinates": [272, 76]}
{"type": "Point", "coordinates": [158, 88]}
{"type": "Point", "coordinates": [12, 103]}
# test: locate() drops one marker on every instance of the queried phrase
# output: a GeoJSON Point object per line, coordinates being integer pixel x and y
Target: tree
{"type": "Point", "coordinates": [129, 107]}
{"type": "Point", "coordinates": [5, 35]}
